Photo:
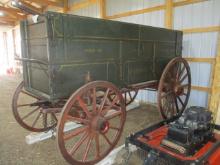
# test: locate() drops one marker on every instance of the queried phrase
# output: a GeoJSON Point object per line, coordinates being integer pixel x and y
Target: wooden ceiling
{"type": "Point", "coordinates": [10, 15]}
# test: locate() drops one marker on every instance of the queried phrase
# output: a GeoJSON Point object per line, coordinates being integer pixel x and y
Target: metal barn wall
{"type": "Point", "coordinates": [90, 11]}
{"type": "Point", "coordinates": [204, 14]}
{"type": "Point", "coordinates": [201, 14]}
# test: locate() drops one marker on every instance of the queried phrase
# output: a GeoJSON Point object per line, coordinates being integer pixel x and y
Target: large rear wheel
{"type": "Point", "coordinates": [174, 88]}
{"type": "Point", "coordinates": [100, 123]}
{"type": "Point", "coordinates": [28, 111]}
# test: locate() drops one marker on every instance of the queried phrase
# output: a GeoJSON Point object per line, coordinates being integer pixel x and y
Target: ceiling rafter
{"type": "Point", "coordinates": [37, 10]}
{"type": "Point", "coordinates": [7, 23]}
{"type": "Point", "coordinates": [47, 3]}
{"type": "Point", "coordinates": [5, 18]}
{"type": "Point", "coordinates": [12, 9]}
{"type": "Point", "coordinates": [83, 4]}
{"type": "Point", "coordinates": [12, 12]}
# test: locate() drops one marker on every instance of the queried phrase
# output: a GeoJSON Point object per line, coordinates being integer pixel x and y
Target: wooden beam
{"type": "Point", "coordinates": [4, 18]}
{"type": "Point", "coordinates": [169, 14]}
{"type": "Point", "coordinates": [187, 2]}
{"type": "Point", "coordinates": [202, 29]}
{"type": "Point", "coordinates": [199, 88]}
{"type": "Point", "coordinates": [47, 3]}
{"type": "Point", "coordinates": [65, 6]}
{"type": "Point", "coordinates": [168, 5]}
{"type": "Point", "coordinates": [215, 91]}
{"type": "Point", "coordinates": [5, 39]}
{"type": "Point", "coordinates": [218, 115]}
{"type": "Point", "coordinates": [11, 11]}
{"type": "Point", "coordinates": [83, 4]}
{"type": "Point", "coordinates": [196, 59]}
{"type": "Point", "coordinates": [37, 10]}
{"type": "Point", "coordinates": [7, 23]}
{"type": "Point", "coordinates": [136, 12]}
{"type": "Point", "coordinates": [102, 5]}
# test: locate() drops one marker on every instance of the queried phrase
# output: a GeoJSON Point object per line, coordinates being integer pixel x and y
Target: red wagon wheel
{"type": "Point", "coordinates": [27, 110]}
{"type": "Point", "coordinates": [174, 88]}
{"type": "Point", "coordinates": [99, 128]}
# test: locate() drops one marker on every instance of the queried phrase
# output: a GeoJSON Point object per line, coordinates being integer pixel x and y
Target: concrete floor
{"type": "Point", "coordinates": [14, 150]}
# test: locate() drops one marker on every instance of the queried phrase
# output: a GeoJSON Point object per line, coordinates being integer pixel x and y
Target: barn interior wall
{"type": "Point", "coordinates": [10, 49]}
{"type": "Point", "coordinates": [203, 14]}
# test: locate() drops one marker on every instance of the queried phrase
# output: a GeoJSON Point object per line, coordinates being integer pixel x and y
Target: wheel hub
{"type": "Point", "coordinates": [100, 124]}
{"type": "Point", "coordinates": [178, 90]}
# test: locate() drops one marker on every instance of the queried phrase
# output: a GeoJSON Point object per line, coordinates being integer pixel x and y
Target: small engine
{"type": "Point", "coordinates": [190, 131]}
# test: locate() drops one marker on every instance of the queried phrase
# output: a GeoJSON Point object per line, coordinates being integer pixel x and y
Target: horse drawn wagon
{"type": "Point", "coordinates": [86, 70]}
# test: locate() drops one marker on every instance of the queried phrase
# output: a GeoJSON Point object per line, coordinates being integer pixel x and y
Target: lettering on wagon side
{"type": "Point", "coordinates": [93, 50]}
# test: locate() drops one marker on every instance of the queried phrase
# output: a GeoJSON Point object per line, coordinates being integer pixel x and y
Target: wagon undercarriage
{"type": "Point", "coordinates": [99, 107]}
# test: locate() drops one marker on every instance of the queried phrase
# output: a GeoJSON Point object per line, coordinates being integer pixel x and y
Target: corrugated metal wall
{"type": "Point", "coordinates": [194, 45]}
{"type": "Point", "coordinates": [90, 11]}
{"type": "Point", "coordinates": [203, 14]}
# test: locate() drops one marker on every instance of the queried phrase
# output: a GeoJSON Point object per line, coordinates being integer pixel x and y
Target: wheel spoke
{"type": "Point", "coordinates": [24, 105]}
{"type": "Point", "coordinates": [184, 85]}
{"type": "Point", "coordinates": [54, 116]}
{"type": "Point", "coordinates": [45, 120]}
{"type": "Point", "coordinates": [29, 94]}
{"type": "Point", "coordinates": [84, 107]}
{"type": "Point", "coordinates": [130, 95]}
{"type": "Point", "coordinates": [180, 100]}
{"type": "Point", "coordinates": [106, 138]}
{"type": "Point", "coordinates": [181, 72]}
{"type": "Point", "coordinates": [183, 78]}
{"type": "Point", "coordinates": [97, 145]}
{"type": "Point", "coordinates": [167, 94]}
{"type": "Point", "coordinates": [113, 115]}
{"type": "Point", "coordinates": [74, 119]}
{"type": "Point", "coordinates": [125, 97]}
{"type": "Point", "coordinates": [104, 100]}
{"type": "Point", "coordinates": [184, 94]}
{"type": "Point", "coordinates": [37, 118]}
{"type": "Point", "coordinates": [30, 113]}
{"type": "Point", "coordinates": [88, 146]}
{"type": "Point", "coordinates": [115, 128]}
{"type": "Point", "coordinates": [176, 104]}
{"type": "Point", "coordinates": [79, 143]}
{"type": "Point", "coordinates": [114, 101]}
{"type": "Point", "coordinates": [175, 70]}
{"type": "Point", "coordinates": [109, 108]}
{"type": "Point", "coordinates": [75, 132]}
{"type": "Point", "coordinates": [94, 100]}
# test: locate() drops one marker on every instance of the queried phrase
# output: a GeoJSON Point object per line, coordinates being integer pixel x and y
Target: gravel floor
{"type": "Point", "coordinates": [14, 150]}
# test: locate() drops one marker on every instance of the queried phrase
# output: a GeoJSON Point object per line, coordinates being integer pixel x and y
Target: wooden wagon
{"type": "Point", "coordinates": [86, 70]}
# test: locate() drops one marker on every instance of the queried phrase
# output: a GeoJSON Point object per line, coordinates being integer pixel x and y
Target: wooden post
{"type": "Point", "coordinates": [6, 46]}
{"type": "Point", "coordinates": [65, 6]}
{"type": "Point", "coordinates": [215, 92]}
{"type": "Point", "coordinates": [169, 14]}
{"type": "Point", "coordinates": [102, 4]}
{"type": "Point", "coordinates": [14, 42]}
{"type": "Point", "coordinates": [218, 115]}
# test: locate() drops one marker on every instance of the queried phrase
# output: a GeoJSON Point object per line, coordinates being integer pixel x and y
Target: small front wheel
{"type": "Point", "coordinates": [100, 123]}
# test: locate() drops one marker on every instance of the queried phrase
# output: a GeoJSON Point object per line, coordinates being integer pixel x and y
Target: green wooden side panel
{"type": "Point", "coordinates": [71, 46]}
